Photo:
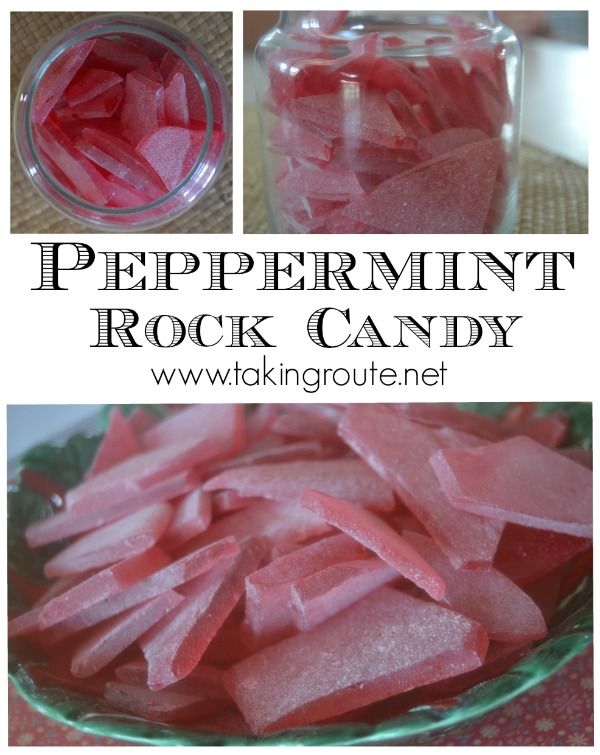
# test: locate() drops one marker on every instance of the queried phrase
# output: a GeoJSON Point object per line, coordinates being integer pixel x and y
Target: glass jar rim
{"type": "Point", "coordinates": [56, 47]}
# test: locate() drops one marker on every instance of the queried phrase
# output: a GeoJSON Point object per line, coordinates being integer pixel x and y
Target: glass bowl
{"type": "Point", "coordinates": [48, 468]}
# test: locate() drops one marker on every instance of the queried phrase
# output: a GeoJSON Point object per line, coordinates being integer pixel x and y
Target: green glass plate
{"type": "Point", "coordinates": [570, 631]}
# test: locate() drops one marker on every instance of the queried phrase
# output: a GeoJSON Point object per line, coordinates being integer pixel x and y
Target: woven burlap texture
{"type": "Point", "coordinates": [553, 193]}
{"type": "Point", "coordinates": [30, 213]}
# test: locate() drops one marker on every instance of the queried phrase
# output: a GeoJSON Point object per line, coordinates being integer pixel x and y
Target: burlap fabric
{"type": "Point", "coordinates": [553, 191]}
{"type": "Point", "coordinates": [30, 213]}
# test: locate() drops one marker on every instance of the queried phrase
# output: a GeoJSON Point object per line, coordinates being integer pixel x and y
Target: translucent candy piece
{"type": "Point", "coordinates": [368, 117]}
{"type": "Point", "coordinates": [327, 21]}
{"type": "Point", "coordinates": [118, 444]}
{"type": "Point", "coordinates": [287, 452]}
{"type": "Point", "coordinates": [519, 481]}
{"type": "Point", "coordinates": [378, 434]}
{"type": "Point", "coordinates": [195, 99]}
{"type": "Point", "coordinates": [578, 454]}
{"type": "Point", "coordinates": [452, 416]}
{"type": "Point", "coordinates": [172, 152]}
{"type": "Point", "coordinates": [175, 645]}
{"type": "Point", "coordinates": [117, 54]}
{"type": "Point", "coordinates": [29, 622]}
{"type": "Point", "coordinates": [319, 596]}
{"type": "Point", "coordinates": [526, 554]}
{"type": "Point", "coordinates": [103, 105]}
{"type": "Point", "coordinates": [269, 609]}
{"type": "Point", "coordinates": [485, 595]}
{"type": "Point", "coordinates": [167, 705]}
{"type": "Point", "coordinates": [345, 478]}
{"type": "Point", "coordinates": [192, 516]}
{"type": "Point", "coordinates": [143, 107]}
{"type": "Point", "coordinates": [551, 430]}
{"type": "Point", "coordinates": [58, 77]}
{"type": "Point", "coordinates": [290, 139]}
{"type": "Point", "coordinates": [102, 585]}
{"type": "Point", "coordinates": [451, 193]}
{"type": "Point", "coordinates": [372, 532]}
{"type": "Point", "coordinates": [123, 195]}
{"type": "Point", "coordinates": [156, 582]}
{"type": "Point", "coordinates": [119, 158]}
{"type": "Point", "coordinates": [109, 640]}
{"type": "Point", "coordinates": [449, 139]}
{"type": "Point", "coordinates": [223, 424]}
{"type": "Point", "coordinates": [207, 678]}
{"type": "Point", "coordinates": [89, 83]}
{"type": "Point", "coordinates": [151, 71]}
{"type": "Point", "coordinates": [86, 179]}
{"type": "Point", "coordinates": [176, 105]}
{"type": "Point", "coordinates": [114, 542]}
{"type": "Point", "coordinates": [385, 644]}
{"type": "Point", "coordinates": [138, 474]}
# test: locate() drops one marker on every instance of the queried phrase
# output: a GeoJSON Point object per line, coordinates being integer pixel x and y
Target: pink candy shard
{"type": "Point", "coordinates": [295, 141]}
{"type": "Point", "coordinates": [385, 644]}
{"type": "Point", "coordinates": [345, 478]}
{"type": "Point", "coordinates": [143, 107]}
{"type": "Point", "coordinates": [449, 139]}
{"type": "Point", "coordinates": [29, 622]}
{"type": "Point", "coordinates": [176, 104]}
{"type": "Point", "coordinates": [103, 105]}
{"type": "Point", "coordinates": [89, 84]}
{"type": "Point", "coordinates": [118, 444]}
{"type": "Point", "coordinates": [322, 183]}
{"type": "Point", "coordinates": [119, 540]}
{"type": "Point", "coordinates": [453, 417]}
{"type": "Point", "coordinates": [192, 516]}
{"type": "Point", "coordinates": [223, 424]}
{"type": "Point", "coordinates": [138, 474]}
{"type": "Point", "coordinates": [80, 172]}
{"type": "Point", "coordinates": [550, 431]}
{"type": "Point", "coordinates": [116, 53]}
{"type": "Point", "coordinates": [485, 595]}
{"type": "Point", "coordinates": [367, 117]}
{"type": "Point", "coordinates": [376, 433]}
{"type": "Point", "coordinates": [319, 596]}
{"type": "Point", "coordinates": [526, 554]}
{"type": "Point", "coordinates": [195, 99]}
{"type": "Point", "coordinates": [269, 611]}
{"type": "Point", "coordinates": [175, 645]}
{"type": "Point", "coordinates": [109, 640]}
{"type": "Point", "coordinates": [102, 585]}
{"type": "Point", "coordinates": [162, 578]}
{"type": "Point", "coordinates": [448, 194]}
{"type": "Point", "coordinates": [172, 152]}
{"type": "Point", "coordinates": [377, 536]}
{"type": "Point", "coordinates": [519, 481]}
{"type": "Point", "coordinates": [58, 77]}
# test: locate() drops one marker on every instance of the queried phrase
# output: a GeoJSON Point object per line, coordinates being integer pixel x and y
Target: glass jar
{"type": "Point", "coordinates": [390, 122]}
{"type": "Point", "coordinates": [146, 146]}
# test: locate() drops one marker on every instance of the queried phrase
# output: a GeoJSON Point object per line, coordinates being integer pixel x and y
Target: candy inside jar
{"type": "Point", "coordinates": [122, 122]}
{"type": "Point", "coordinates": [390, 123]}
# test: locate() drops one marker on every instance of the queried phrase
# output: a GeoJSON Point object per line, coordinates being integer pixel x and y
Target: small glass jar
{"type": "Point", "coordinates": [120, 190]}
{"type": "Point", "coordinates": [390, 122]}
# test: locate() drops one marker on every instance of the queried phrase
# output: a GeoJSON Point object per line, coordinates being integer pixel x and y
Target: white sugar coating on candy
{"type": "Point", "coordinates": [485, 595]}
{"type": "Point", "coordinates": [58, 77]}
{"type": "Point", "coordinates": [345, 478]}
{"type": "Point", "coordinates": [376, 433]}
{"type": "Point", "coordinates": [318, 596]}
{"type": "Point", "coordinates": [385, 644]}
{"type": "Point", "coordinates": [109, 640]}
{"type": "Point", "coordinates": [195, 99]}
{"type": "Point", "coordinates": [101, 585]}
{"type": "Point", "coordinates": [519, 481]}
{"type": "Point", "coordinates": [451, 193]}
{"type": "Point", "coordinates": [322, 183]}
{"type": "Point", "coordinates": [376, 535]}
{"type": "Point", "coordinates": [163, 577]}
{"type": "Point", "coordinates": [119, 443]}
{"type": "Point", "coordinates": [451, 138]}
{"type": "Point", "coordinates": [176, 105]}
{"type": "Point", "coordinates": [143, 107]}
{"type": "Point", "coordinates": [171, 151]}
{"type": "Point", "coordinates": [192, 516]}
{"type": "Point", "coordinates": [221, 423]}
{"type": "Point", "coordinates": [113, 542]}
{"type": "Point", "coordinates": [295, 141]}
{"type": "Point", "coordinates": [89, 83]}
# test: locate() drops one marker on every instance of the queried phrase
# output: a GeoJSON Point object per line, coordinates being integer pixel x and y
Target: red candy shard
{"type": "Point", "coordinates": [109, 640]}
{"type": "Point", "coordinates": [450, 416]}
{"type": "Point", "coordinates": [417, 643]}
{"type": "Point", "coordinates": [450, 139]}
{"type": "Point", "coordinates": [104, 105]}
{"type": "Point", "coordinates": [175, 645]}
{"type": "Point", "coordinates": [322, 183]}
{"type": "Point", "coordinates": [89, 84]}
{"type": "Point", "coordinates": [448, 194]}
{"type": "Point", "coordinates": [101, 585]}
{"type": "Point", "coordinates": [293, 140]}
{"type": "Point", "coordinates": [143, 107]}
{"type": "Point", "coordinates": [58, 77]}
{"type": "Point", "coordinates": [485, 595]}
{"type": "Point", "coordinates": [195, 99]}
{"type": "Point", "coordinates": [345, 478]}
{"type": "Point", "coordinates": [519, 481]}
{"type": "Point", "coordinates": [118, 54]}
{"type": "Point", "coordinates": [171, 151]}
{"type": "Point", "coordinates": [192, 516]}
{"type": "Point", "coordinates": [118, 444]}
{"type": "Point", "coordinates": [372, 532]}
{"type": "Point", "coordinates": [376, 433]}
{"type": "Point", "coordinates": [176, 104]}
{"type": "Point", "coordinates": [114, 542]}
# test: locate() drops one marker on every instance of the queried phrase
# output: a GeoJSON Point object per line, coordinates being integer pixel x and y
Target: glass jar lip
{"type": "Point", "coordinates": [110, 24]}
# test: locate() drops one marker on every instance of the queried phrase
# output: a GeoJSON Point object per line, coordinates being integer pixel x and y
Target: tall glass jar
{"type": "Point", "coordinates": [390, 122]}
{"type": "Point", "coordinates": [108, 161]}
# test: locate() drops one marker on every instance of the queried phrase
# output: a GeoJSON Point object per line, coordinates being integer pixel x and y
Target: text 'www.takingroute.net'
{"type": "Point", "coordinates": [308, 379]}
